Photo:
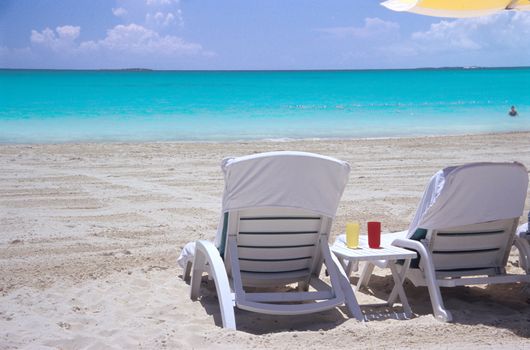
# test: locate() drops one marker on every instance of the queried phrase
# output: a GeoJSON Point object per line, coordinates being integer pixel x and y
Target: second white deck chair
{"type": "Point", "coordinates": [274, 229]}
{"type": "Point", "coordinates": [464, 229]}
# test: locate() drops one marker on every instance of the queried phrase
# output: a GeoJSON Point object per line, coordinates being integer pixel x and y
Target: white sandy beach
{"type": "Point", "coordinates": [90, 233]}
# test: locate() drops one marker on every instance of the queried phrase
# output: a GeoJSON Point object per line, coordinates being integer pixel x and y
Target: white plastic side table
{"type": "Point", "coordinates": [389, 253]}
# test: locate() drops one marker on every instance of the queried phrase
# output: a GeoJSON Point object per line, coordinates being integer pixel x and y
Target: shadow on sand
{"type": "Point", "coordinates": [503, 305]}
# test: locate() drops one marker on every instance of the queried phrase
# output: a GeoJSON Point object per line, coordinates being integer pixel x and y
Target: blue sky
{"type": "Point", "coordinates": [250, 34]}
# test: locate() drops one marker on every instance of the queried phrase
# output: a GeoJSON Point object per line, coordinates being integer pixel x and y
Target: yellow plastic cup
{"type": "Point", "coordinates": [352, 234]}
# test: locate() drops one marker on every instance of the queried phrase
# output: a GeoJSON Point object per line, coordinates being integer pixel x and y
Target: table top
{"type": "Point", "coordinates": [364, 253]}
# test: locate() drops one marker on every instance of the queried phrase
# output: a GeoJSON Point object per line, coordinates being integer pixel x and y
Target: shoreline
{"type": "Point", "coordinates": [90, 233]}
{"type": "Point", "coordinates": [266, 140]}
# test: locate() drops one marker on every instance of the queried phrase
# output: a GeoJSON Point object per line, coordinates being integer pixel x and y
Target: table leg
{"type": "Point", "coordinates": [393, 295]}
{"type": "Point", "coordinates": [350, 268]}
{"type": "Point", "coordinates": [366, 273]}
{"type": "Point", "coordinates": [398, 286]}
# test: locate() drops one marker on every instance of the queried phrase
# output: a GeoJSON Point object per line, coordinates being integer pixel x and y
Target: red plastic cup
{"type": "Point", "coordinates": [374, 234]}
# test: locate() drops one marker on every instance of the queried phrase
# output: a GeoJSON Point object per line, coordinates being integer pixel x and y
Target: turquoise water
{"type": "Point", "coordinates": [71, 106]}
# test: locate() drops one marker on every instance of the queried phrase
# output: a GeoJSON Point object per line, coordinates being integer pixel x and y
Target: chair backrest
{"type": "Point", "coordinates": [277, 245]}
{"type": "Point", "coordinates": [470, 214]}
{"type": "Point", "coordinates": [472, 250]}
{"type": "Point", "coordinates": [278, 207]}
{"type": "Point", "coordinates": [471, 194]}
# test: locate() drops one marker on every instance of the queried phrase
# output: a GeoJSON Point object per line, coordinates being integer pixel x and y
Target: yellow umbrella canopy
{"type": "Point", "coordinates": [456, 8]}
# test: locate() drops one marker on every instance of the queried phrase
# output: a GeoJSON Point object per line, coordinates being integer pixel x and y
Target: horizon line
{"type": "Point", "coordinates": [266, 70]}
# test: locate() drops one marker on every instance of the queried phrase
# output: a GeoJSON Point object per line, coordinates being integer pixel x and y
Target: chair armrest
{"type": "Point", "coordinates": [207, 254]}
{"type": "Point", "coordinates": [419, 248]}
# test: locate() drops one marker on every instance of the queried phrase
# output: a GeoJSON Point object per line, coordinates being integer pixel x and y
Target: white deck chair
{"type": "Point", "coordinates": [274, 230]}
{"type": "Point", "coordinates": [464, 229]}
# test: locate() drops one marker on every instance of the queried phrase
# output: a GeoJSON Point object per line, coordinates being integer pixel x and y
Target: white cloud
{"type": "Point", "coordinates": [147, 39]}
{"type": "Point", "coordinates": [178, 16]}
{"type": "Point", "coordinates": [138, 40]}
{"type": "Point", "coordinates": [448, 35]}
{"type": "Point", "coordinates": [123, 46]}
{"type": "Point", "coordinates": [151, 13]}
{"type": "Point", "coordinates": [372, 28]}
{"type": "Point", "coordinates": [160, 2]}
{"type": "Point", "coordinates": [498, 40]}
{"type": "Point", "coordinates": [62, 38]}
{"type": "Point", "coordinates": [119, 12]}
{"type": "Point", "coordinates": [68, 32]}
{"type": "Point", "coordinates": [160, 18]}
{"type": "Point", "coordinates": [496, 32]}
{"type": "Point", "coordinates": [47, 35]}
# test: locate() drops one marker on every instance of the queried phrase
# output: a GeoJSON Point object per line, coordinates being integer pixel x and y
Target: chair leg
{"type": "Point", "coordinates": [440, 313]}
{"type": "Point", "coordinates": [438, 308]}
{"type": "Point", "coordinates": [303, 286]}
{"type": "Point", "coordinates": [187, 273]}
{"type": "Point", "coordinates": [197, 268]}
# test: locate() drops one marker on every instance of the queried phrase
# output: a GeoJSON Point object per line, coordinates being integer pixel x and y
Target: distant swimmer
{"type": "Point", "coordinates": [512, 112]}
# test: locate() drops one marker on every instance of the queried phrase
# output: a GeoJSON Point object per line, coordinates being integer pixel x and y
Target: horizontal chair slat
{"type": "Point", "coordinates": [279, 233]}
{"type": "Point", "coordinates": [291, 259]}
{"type": "Point", "coordinates": [476, 270]}
{"type": "Point", "coordinates": [279, 225]}
{"type": "Point", "coordinates": [451, 241]}
{"type": "Point", "coordinates": [484, 280]}
{"type": "Point", "coordinates": [465, 251]}
{"type": "Point", "coordinates": [275, 252]}
{"type": "Point", "coordinates": [275, 274]}
{"type": "Point", "coordinates": [467, 259]}
{"type": "Point", "coordinates": [276, 246]}
{"type": "Point", "coordinates": [280, 218]}
{"type": "Point", "coordinates": [285, 240]}
{"type": "Point", "coordinates": [289, 297]}
{"type": "Point", "coordinates": [452, 234]}
{"type": "Point", "coordinates": [274, 265]}
{"type": "Point", "coordinates": [266, 279]}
